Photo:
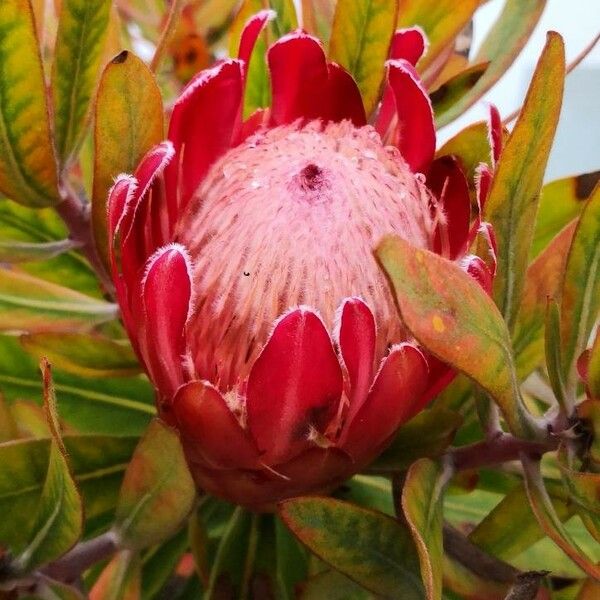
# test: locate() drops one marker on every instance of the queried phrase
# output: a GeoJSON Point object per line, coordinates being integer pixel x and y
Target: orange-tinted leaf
{"type": "Point", "coordinates": [500, 48]}
{"type": "Point", "coordinates": [422, 504]}
{"type": "Point", "coordinates": [442, 21]}
{"type": "Point", "coordinates": [469, 586]}
{"type": "Point", "coordinates": [158, 490]}
{"type": "Point", "coordinates": [27, 163]}
{"type": "Point", "coordinates": [454, 319]}
{"type": "Point", "coordinates": [318, 17]}
{"type": "Point", "coordinates": [360, 41]}
{"type": "Point", "coordinates": [512, 203]}
{"type": "Point", "coordinates": [546, 516]}
{"type": "Point", "coordinates": [541, 280]}
{"type": "Point", "coordinates": [119, 580]}
{"type": "Point", "coordinates": [129, 121]}
{"type": "Point", "coordinates": [369, 547]}
{"type": "Point", "coordinates": [581, 287]}
{"type": "Point", "coordinates": [561, 202]}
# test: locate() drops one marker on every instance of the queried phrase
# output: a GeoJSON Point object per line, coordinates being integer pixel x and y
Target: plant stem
{"type": "Point", "coordinates": [76, 216]}
{"type": "Point", "coordinates": [502, 448]}
{"type": "Point", "coordinates": [84, 555]}
{"type": "Point", "coordinates": [167, 32]}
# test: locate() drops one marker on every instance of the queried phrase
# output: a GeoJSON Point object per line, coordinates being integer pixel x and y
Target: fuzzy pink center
{"type": "Point", "coordinates": [291, 217]}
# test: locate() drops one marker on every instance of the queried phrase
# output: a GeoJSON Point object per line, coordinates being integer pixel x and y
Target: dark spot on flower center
{"type": "Point", "coordinates": [311, 177]}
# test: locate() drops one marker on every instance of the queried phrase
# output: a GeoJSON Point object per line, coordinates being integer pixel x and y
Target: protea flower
{"type": "Point", "coordinates": [242, 255]}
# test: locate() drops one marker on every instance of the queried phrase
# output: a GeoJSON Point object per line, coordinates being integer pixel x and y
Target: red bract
{"type": "Point", "coordinates": [242, 258]}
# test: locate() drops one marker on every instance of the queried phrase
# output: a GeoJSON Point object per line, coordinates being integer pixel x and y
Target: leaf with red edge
{"type": "Point", "coordinates": [369, 547]}
{"type": "Point", "coordinates": [454, 319]}
{"type": "Point", "coordinates": [422, 503]}
{"type": "Point", "coordinates": [128, 123]}
{"type": "Point", "coordinates": [58, 523]}
{"type": "Point", "coordinates": [500, 48]}
{"type": "Point", "coordinates": [294, 386]}
{"type": "Point", "coordinates": [157, 492]}
{"type": "Point", "coordinates": [512, 203]}
{"type": "Point", "coordinates": [360, 42]}
{"type": "Point", "coordinates": [580, 298]}
{"type": "Point", "coordinates": [546, 516]}
{"type": "Point", "coordinates": [442, 20]}
{"type": "Point", "coordinates": [120, 579]}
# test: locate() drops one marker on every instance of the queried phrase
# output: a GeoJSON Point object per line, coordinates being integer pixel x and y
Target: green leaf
{"type": "Point", "coordinates": [234, 557]}
{"type": "Point", "coordinates": [422, 504]}
{"type": "Point", "coordinates": [442, 21]}
{"type": "Point", "coordinates": [510, 528]}
{"type": "Point", "coordinates": [333, 586]}
{"type": "Point", "coordinates": [317, 17]}
{"type": "Point", "coordinates": [451, 91]}
{"type": "Point", "coordinates": [160, 562]}
{"type": "Point", "coordinates": [128, 122]}
{"type": "Point", "coordinates": [369, 547]}
{"type": "Point", "coordinates": [453, 318]}
{"type": "Point", "coordinates": [469, 586]}
{"type": "Point", "coordinates": [120, 579]}
{"type": "Point", "coordinates": [581, 287]}
{"type": "Point", "coordinates": [112, 406]}
{"type": "Point", "coordinates": [542, 280]}
{"type": "Point", "coordinates": [549, 521]}
{"type": "Point", "coordinates": [29, 304]}
{"type": "Point", "coordinates": [561, 202]}
{"type": "Point", "coordinates": [500, 48]}
{"type": "Point", "coordinates": [16, 252]}
{"type": "Point", "coordinates": [360, 42]}
{"type": "Point", "coordinates": [286, 19]}
{"type": "Point", "coordinates": [58, 523]}
{"type": "Point", "coordinates": [19, 224]}
{"type": "Point", "coordinates": [512, 203]}
{"type": "Point", "coordinates": [553, 355]}
{"type": "Point", "coordinates": [27, 163]}
{"type": "Point", "coordinates": [84, 354]}
{"type": "Point", "coordinates": [82, 32]}
{"type": "Point", "coordinates": [593, 368]}
{"type": "Point", "coordinates": [370, 491]}
{"type": "Point", "coordinates": [426, 435]}
{"type": "Point", "coordinates": [157, 492]}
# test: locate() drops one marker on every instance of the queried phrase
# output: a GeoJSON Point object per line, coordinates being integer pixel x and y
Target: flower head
{"type": "Point", "coordinates": [242, 254]}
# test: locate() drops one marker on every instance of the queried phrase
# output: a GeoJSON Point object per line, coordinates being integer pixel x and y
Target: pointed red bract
{"type": "Point", "coordinates": [495, 133]}
{"type": "Point", "coordinates": [166, 298]}
{"type": "Point", "coordinates": [295, 385]}
{"type": "Point", "coordinates": [449, 185]}
{"type": "Point", "coordinates": [408, 44]}
{"type": "Point", "coordinates": [357, 338]}
{"type": "Point", "coordinates": [205, 120]}
{"type": "Point", "coordinates": [299, 79]}
{"type": "Point", "coordinates": [211, 433]}
{"type": "Point", "coordinates": [345, 99]}
{"type": "Point", "coordinates": [252, 30]}
{"type": "Point", "coordinates": [479, 271]}
{"type": "Point", "coordinates": [394, 398]}
{"type": "Point", "coordinates": [415, 131]}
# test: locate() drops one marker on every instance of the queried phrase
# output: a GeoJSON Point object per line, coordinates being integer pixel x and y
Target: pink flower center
{"type": "Point", "coordinates": [291, 217]}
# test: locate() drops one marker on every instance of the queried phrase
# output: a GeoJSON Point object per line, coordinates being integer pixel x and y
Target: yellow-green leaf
{"type": "Point", "coordinates": [158, 490]}
{"type": "Point", "coordinates": [27, 163]}
{"type": "Point", "coordinates": [360, 41]}
{"type": "Point", "coordinates": [453, 318]}
{"type": "Point", "coordinates": [549, 521]}
{"type": "Point", "coordinates": [442, 21]}
{"type": "Point", "coordinates": [82, 32]}
{"type": "Point", "coordinates": [129, 121]}
{"type": "Point", "coordinates": [561, 202]}
{"type": "Point", "coordinates": [422, 503]}
{"type": "Point", "coordinates": [59, 518]}
{"type": "Point", "coordinates": [16, 252]}
{"type": "Point", "coordinates": [512, 203]}
{"type": "Point", "coordinates": [369, 547]}
{"type": "Point", "coordinates": [29, 304]}
{"type": "Point", "coordinates": [84, 354]}
{"type": "Point", "coordinates": [317, 17]}
{"type": "Point", "coordinates": [500, 48]}
{"type": "Point", "coordinates": [581, 287]}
